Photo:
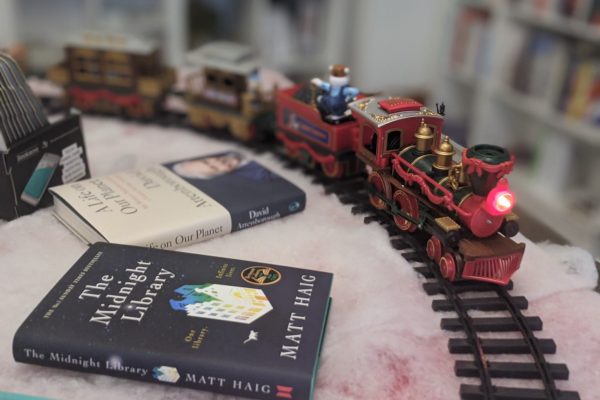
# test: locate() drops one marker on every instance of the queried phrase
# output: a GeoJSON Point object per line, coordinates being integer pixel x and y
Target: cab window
{"type": "Point", "coordinates": [393, 140]}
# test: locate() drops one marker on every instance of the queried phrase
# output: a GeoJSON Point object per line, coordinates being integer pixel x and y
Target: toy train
{"type": "Point", "coordinates": [122, 75]}
{"type": "Point", "coordinates": [461, 200]}
{"type": "Point", "coordinates": [463, 203]}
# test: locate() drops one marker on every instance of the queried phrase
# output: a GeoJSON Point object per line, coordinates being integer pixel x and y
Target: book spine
{"type": "Point", "coordinates": [161, 368]}
{"type": "Point", "coordinates": [255, 214]}
{"type": "Point", "coordinates": [183, 236]}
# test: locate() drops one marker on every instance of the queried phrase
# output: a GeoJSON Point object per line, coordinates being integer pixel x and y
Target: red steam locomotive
{"type": "Point", "coordinates": [461, 200]}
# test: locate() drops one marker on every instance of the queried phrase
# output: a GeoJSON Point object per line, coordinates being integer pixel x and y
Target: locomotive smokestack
{"type": "Point", "coordinates": [486, 164]}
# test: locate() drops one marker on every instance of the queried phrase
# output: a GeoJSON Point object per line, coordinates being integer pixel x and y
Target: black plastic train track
{"type": "Point", "coordinates": [482, 297]}
{"type": "Point", "coordinates": [462, 297]}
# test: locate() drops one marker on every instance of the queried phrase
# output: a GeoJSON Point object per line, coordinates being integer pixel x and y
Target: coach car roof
{"type": "Point", "coordinates": [226, 56]}
{"type": "Point", "coordinates": [113, 42]}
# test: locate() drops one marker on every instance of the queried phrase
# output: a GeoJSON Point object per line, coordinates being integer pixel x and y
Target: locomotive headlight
{"type": "Point", "coordinates": [500, 200]}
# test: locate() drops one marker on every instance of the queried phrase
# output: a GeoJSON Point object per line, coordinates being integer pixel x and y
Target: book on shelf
{"type": "Point", "coordinates": [581, 82]}
{"type": "Point", "coordinates": [594, 17]}
{"type": "Point", "coordinates": [565, 78]}
{"type": "Point", "coordinates": [578, 10]}
{"type": "Point", "coordinates": [229, 326]}
{"type": "Point", "coordinates": [592, 113]}
{"type": "Point", "coordinates": [539, 8]}
{"type": "Point", "coordinates": [470, 43]}
{"type": "Point", "coordinates": [178, 203]}
{"type": "Point", "coordinates": [552, 152]}
{"type": "Point", "coordinates": [548, 68]}
{"type": "Point", "coordinates": [540, 67]}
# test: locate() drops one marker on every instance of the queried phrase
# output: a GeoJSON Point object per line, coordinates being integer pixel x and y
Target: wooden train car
{"type": "Point", "coordinates": [224, 92]}
{"type": "Point", "coordinates": [463, 203]}
{"type": "Point", "coordinates": [309, 139]}
{"type": "Point", "coordinates": [113, 74]}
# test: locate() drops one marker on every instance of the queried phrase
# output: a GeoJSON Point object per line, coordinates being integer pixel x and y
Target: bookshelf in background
{"type": "Point", "coordinates": [526, 75]}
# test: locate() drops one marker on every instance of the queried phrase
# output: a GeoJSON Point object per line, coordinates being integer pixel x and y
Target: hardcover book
{"type": "Point", "coordinates": [178, 203]}
{"type": "Point", "coordinates": [229, 326]}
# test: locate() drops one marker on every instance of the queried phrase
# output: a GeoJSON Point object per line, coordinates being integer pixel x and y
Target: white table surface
{"type": "Point", "coordinates": [383, 339]}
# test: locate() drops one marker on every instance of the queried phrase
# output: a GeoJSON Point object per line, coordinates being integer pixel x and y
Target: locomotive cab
{"type": "Point", "coordinates": [388, 125]}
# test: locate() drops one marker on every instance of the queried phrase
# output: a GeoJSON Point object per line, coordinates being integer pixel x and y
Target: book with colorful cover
{"type": "Point", "coordinates": [178, 203]}
{"type": "Point", "coordinates": [229, 326]}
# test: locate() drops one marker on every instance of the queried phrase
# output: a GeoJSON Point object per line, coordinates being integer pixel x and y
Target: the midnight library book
{"type": "Point", "coordinates": [176, 204]}
{"type": "Point", "coordinates": [229, 326]}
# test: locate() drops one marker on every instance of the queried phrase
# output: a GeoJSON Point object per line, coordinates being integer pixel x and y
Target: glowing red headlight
{"type": "Point", "coordinates": [500, 200]}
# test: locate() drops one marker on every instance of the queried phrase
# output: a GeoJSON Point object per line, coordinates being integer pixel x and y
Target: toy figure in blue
{"type": "Point", "coordinates": [333, 102]}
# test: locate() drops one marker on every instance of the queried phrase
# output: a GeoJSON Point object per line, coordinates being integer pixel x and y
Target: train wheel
{"type": "Point", "coordinates": [334, 169]}
{"type": "Point", "coordinates": [135, 111]}
{"type": "Point", "coordinates": [252, 131]}
{"type": "Point", "coordinates": [290, 153]}
{"type": "Point", "coordinates": [408, 205]}
{"type": "Point", "coordinates": [83, 103]}
{"type": "Point", "coordinates": [434, 249]}
{"type": "Point", "coordinates": [205, 124]}
{"type": "Point", "coordinates": [382, 187]}
{"type": "Point", "coordinates": [241, 130]}
{"type": "Point", "coordinates": [306, 159]}
{"type": "Point", "coordinates": [448, 266]}
{"type": "Point", "coordinates": [198, 119]}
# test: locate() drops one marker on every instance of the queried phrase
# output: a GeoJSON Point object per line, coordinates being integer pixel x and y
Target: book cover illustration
{"type": "Point", "coordinates": [178, 203]}
{"type": "Point", "coordinates": [229, 326]}
{"type": "Point", "coordinates": [222, 302]}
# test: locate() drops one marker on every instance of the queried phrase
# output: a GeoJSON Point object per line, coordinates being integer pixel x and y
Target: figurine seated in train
{"type": "Point", "coordinates": [332, 103]}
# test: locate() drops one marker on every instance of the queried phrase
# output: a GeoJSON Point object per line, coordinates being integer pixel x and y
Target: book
{"type": "Point", "coordinates": [178, 203]}
{"type": "Point", "coordinates": [229, 326]}
{"type": "Point", "coordinates": [470, 42]}
{"type": "Point", "coordinates": [581, 83]}
{"type": "Point", "coordinates": [594, 14]}
{"type": "Point", "coordinates": [550, 59]}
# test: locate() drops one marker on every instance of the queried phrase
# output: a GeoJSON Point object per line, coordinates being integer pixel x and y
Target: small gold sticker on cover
{"type": "Point", "coordinates": [261, 275]}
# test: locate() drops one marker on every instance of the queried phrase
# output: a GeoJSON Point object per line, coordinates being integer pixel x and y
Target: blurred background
{"type": "Point", "coordinates": [520, 73]}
